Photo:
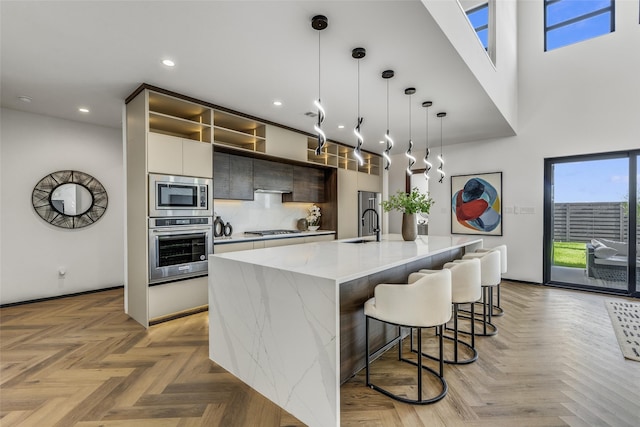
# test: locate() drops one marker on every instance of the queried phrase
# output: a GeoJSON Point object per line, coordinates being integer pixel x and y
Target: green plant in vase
{"type": "Point", "coordinates": [409, 204]}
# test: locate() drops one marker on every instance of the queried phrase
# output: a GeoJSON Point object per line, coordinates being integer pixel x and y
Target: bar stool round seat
{"type": "Point", "coordinates": [465, 289]}
{"type": "Point", "coordinates": [489, 278]}
{"type": "Point", "coordinates": [497, 308]}
{"type": "Point", "coordinates": [424, 302]}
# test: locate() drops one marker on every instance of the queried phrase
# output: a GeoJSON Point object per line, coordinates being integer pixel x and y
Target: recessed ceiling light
{"type": "Point", "coordinates": [381, 142]}
{"type": "Point", "coordinates": [277, 103]}
{"type": "Point", "coordinates": [83, 110]}
{"type": "Point", "coordinates": [340, 126]}
{"type": "Point", "coordinates": [25, 98]}
{"type": "Point", "coordinates": [168, 62]}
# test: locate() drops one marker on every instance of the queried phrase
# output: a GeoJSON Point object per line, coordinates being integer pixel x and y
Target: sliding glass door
{"type": "Point", "coordinates": [591, 222]}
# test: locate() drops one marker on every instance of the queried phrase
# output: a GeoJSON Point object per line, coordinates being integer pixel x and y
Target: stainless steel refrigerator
{"type": "Point", "coordinates": [367, 225]}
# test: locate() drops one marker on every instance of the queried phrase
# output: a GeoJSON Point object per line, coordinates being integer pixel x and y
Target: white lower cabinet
{"type": "Point", "coordinates": [232, 247]}
{"type": "Point", "coordinates": [175, 297]}
{"type": "Point", "coordinates": [221, 248]}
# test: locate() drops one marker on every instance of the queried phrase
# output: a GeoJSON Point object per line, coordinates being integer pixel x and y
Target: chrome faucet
{"type": "Point", "coordinates": [377, 229]}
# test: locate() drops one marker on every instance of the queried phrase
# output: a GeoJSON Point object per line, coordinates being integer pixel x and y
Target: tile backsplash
{"type": "Point", "coordinates": [266, 212]}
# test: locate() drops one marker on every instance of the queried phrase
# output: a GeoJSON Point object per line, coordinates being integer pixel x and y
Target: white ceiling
{"type": "Point", "coordinates": [243, 55]}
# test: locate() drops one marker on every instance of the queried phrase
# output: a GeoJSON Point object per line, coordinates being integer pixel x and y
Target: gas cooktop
{"type": "Point", "coordinates": [270, 232]}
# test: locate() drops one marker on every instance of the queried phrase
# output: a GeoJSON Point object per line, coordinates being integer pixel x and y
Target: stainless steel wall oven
{"type": "Point", "coordinates": [179, 248]}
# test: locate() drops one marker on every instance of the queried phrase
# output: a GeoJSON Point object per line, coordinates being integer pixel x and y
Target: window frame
{"type": "Point", "coordinates": [482, 27]}
{"type": "Point", "coordinates": [611, 9]}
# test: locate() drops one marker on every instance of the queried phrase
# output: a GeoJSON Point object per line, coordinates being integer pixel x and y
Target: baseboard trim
{"type": "Point", "coordinates": [93, 291]}
{"type": "Point", "coordinates": [178, 315]}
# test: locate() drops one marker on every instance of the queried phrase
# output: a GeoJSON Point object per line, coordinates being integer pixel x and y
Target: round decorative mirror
{"type": "Point", "coordinates": [69, 199]}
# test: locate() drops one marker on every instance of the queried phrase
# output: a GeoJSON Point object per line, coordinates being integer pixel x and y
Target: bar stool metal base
{"type": "Point", "coordinates": [457, 341]}
{"type": "Point", "coordinates": [497, 309]}
{"type": "Point", "coordinates": [488, 328]}
{"type": "Point", "coordinates": [420, 367]}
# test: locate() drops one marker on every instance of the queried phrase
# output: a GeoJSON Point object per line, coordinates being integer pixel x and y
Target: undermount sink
{"type": "Point", "coordinates": [360, 241]}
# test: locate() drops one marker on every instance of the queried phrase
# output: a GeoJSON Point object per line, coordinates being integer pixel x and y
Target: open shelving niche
{"type": "Point", "coordinates": [341, 157]}
{"type": "Point", "coordinates": [238, 132]}
{"type": "Point", "coordinates": [176, 117]}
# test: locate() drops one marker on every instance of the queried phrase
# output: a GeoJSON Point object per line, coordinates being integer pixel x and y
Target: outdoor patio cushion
{"type": "Point", "coordinates": [605, 252]}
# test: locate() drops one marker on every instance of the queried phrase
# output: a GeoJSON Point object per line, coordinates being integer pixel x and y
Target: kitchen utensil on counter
{"type": "Point", "coordinates": [228, 229]}
{"type": "Point", "coordinates": [302, 224]}
{"type": "Point", "coordinates": [218, 227]}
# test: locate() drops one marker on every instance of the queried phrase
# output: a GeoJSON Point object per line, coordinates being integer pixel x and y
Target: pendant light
{"type": "Point", "coordinates": [358, 53]}
{"type": "Point", "coordinates": [427, 163]}
{"type": "Point", "coordinates": [387, 74]}
{"type": "Point", "coordinates": [412, 160]}
{"type": "Point", "coordinates": [319, 22]}
{"type": "Point", "coordinates": [440, 158]}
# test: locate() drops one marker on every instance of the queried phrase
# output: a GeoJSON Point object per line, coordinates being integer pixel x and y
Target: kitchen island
{"type": "Point", "coordinates": [288, 320]}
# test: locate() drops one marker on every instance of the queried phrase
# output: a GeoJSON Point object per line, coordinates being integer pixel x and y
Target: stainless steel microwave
{"type": "Point", "coordinates": [171, 195]}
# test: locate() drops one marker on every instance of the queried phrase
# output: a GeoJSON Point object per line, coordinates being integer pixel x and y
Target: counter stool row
{"type": "Point", "coordinates": [426, 301]}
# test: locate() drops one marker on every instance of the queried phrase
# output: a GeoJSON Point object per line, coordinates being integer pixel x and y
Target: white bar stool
{"type": "Point", "coordinates": [424, 302]}
{"type": "Point", "coordinates": [497, 308]}
{"type": "Point", "coordinates": [490, 278]}
{"type": "Point", "coordinates": [465, 289]}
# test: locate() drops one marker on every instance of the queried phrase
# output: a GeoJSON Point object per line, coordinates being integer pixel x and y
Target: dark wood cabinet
{"type": "Point", "coordinates": [308, 185]}
{"type": "Point", "coordinates": [272, 176]}
{"type": "Point", "coordinates": [232, 177]}
{"type": "Point", "coordinates": [220, 176]}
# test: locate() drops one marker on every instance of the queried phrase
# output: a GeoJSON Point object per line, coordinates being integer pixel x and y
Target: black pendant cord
{"type": "Point", "coordinates": [358, 53]}
{"type": "Point", "coordinates": [319, 23]}
{"type": "Point", "coordinates": [387, 136]}
{"type": "Point", "coordinates": [441, 157]}
{"type": "Point", "coordinates": [427, 163]}
{"type": "Point", "coordinates": [412, 160]}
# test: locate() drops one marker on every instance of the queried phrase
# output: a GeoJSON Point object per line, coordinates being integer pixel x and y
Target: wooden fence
{"type": "Point", "coordinates": [581, 222]}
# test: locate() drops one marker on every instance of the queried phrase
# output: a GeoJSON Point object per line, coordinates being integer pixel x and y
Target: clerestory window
{"type": "Point", "coordinates": [571, 21]}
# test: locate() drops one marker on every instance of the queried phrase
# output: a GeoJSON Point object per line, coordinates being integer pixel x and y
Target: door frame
{"type": "Point", "coordinates": [547, 246]}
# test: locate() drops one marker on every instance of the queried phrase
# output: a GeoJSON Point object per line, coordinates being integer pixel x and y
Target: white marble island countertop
{"type": "Point", "coordinates": [342, 261]}
{"type": "Point", "coordinates": [275, 319]}
{"type": "Point", "coordinates": [240, 237]}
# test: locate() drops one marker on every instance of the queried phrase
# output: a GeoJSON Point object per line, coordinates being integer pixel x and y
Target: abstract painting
{"type": "Point", "coordinates": [476, 204]}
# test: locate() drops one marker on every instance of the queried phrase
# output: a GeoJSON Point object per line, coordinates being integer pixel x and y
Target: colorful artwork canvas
{"type": "Point", "coordinates": [476, 204]}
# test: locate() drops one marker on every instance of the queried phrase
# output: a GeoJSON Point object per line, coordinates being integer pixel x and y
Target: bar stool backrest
{"type": "Point", "coordinates": [489, 266]}
{"type": "Point", "coordinates": [424, 303]}
{"type": "Point", "coordinates": [466, 280]}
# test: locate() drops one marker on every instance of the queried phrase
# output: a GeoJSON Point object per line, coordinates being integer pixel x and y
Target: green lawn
{"type": "Point", "coordinates": [569, 254]}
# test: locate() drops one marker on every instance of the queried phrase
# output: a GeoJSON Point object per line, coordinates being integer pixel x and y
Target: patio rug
{"type": "Point", "coordinates": [625, 318]}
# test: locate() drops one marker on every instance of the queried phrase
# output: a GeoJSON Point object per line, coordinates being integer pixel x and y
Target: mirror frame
{"type": "Point", "coordinates": [41, 199]}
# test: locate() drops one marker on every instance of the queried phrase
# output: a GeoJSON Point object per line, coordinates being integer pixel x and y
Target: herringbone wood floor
{"type": "Point", "coordinates": [80, 361]}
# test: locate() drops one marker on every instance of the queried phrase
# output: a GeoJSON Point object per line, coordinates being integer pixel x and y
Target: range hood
{"type": "Point", "coordinates": [263, 190]}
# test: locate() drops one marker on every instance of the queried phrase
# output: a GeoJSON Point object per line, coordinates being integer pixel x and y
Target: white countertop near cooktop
{"type": "Point", "coordinates": [342, 261]}
{"type": "Point", "coordinates": [240, 237]}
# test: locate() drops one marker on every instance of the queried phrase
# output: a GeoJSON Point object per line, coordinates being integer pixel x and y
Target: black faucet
{"type": "Point", "coordinates": [377, 229]}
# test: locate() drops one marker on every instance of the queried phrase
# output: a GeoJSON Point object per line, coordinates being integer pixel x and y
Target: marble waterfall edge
{"type": "Point", "coordinates": [283, 341]}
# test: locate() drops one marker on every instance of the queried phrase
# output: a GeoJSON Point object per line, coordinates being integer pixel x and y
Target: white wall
{"type": "Point", "coordinates": [499, 80]}
{"type": "Point", "coordinates": [32, 146]}
{"type": "Point", "coordinates": [583, 98]}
